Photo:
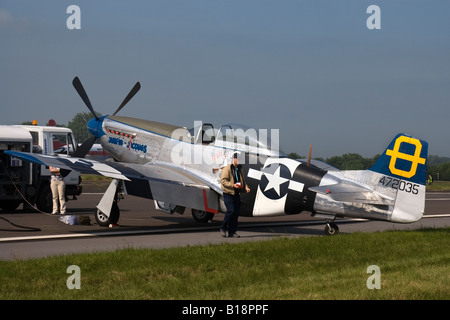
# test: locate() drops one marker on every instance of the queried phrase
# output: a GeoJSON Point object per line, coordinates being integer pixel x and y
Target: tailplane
{"type": "Point", "coordinates": [393, 189]}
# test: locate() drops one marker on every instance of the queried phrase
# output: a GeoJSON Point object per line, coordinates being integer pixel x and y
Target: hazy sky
{"type": "Point", "coordinates": [311, 69]}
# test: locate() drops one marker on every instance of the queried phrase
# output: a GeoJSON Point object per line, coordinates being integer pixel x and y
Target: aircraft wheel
{"type": "Point", "coordinates": [331, 229]}
{"type": "Point", "coordinates": [202, 216]}
{"type": "Point", "coordinates": [114, 216]}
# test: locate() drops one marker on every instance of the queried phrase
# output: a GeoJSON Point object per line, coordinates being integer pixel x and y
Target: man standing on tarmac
{"type": "Point", "coordinates": [232, 182]}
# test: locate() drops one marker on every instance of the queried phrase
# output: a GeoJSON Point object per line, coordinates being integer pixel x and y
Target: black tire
{"type": "Point", "coordinates": [331, 229]}
{"type": "Point", "coordinates": [10, 205]}
{"type": "Point", "coordinates": [44, 200]}
{"type": "Point", "coordinates": [103, 220]}
{"type": "Point", "coordinates": [202, 216]}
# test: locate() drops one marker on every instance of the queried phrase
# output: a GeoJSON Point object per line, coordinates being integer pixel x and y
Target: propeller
{"type": "Point", "coordinates": [79, 87]}
{"type": "Point", "coordinates": [87, 145]}
{"type": "Point", "coordinates": [82, 150]}
{"type": "Point", "coordinates": [308, 163]}
{"type": "Point", "coordinates": [130, 95]}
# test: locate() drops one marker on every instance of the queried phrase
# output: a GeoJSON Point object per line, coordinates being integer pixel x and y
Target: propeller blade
{"type": "Point", "coordinates": [130, 95]}
{"type": "Point", "coordinates": [309, 156]}
{"type": "Point", "coordinates": [79, 87]}
{"type": "Point", "coordinates": [82, 150]}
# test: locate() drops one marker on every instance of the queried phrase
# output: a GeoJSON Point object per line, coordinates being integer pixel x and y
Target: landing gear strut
{"type": "Point", "coordinates": [108, 211]}
{"type": "Point", "coordinates": [331, 228]}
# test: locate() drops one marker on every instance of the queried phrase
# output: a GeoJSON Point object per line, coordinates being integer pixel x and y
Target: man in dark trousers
{"type": "Point", "coordinates": [232, 182]}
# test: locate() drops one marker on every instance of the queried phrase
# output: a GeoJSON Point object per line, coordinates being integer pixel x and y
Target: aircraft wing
{"type": "Point", "coordinates": [346, 191]}
{"type": "Point", "coordinates": [158, 181]}
{"type": "Point", "coordinates": [70, 163]}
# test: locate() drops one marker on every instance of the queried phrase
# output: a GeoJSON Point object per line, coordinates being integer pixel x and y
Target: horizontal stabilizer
{"type": "Point", "coordinates": [349, 192]}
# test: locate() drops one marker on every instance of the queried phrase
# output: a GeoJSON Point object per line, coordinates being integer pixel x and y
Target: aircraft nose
{"type": "Point", "coordinates": [95, 126]}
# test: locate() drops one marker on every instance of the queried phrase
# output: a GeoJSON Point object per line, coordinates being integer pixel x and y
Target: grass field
{"type": "Point", "coordinates": [439, 186]}
{"type": "Point", "coordinates": [413, 265]}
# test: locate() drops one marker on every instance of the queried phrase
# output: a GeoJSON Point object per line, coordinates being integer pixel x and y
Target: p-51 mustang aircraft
{"type": "Point", "coordinates": [180, 168]}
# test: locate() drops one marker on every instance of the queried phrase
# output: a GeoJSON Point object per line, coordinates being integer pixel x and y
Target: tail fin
{"type": "Point", "coordinates": [403, 167]}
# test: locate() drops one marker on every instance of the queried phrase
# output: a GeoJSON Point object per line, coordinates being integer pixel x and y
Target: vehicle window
{"type": "Point", "coordinates": [59, 141]}
{"type": "Point", "coordinates": [35, 136]}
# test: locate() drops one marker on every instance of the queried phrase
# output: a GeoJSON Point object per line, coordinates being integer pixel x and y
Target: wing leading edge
{"type": "Point", "coordinates": [70, 163]}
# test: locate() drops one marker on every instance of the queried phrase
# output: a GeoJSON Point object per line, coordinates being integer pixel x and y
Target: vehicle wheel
{"type": "Point", "coordinates": [202, 216]}
{"type": "Point", "coordinates": [103, 220]}
{"type": "Point", "coordinates": [9, 205]}
{"type": "Point", "coordinates": [331, 229]}
{"type": "Point", "coordinates": [44, 200]}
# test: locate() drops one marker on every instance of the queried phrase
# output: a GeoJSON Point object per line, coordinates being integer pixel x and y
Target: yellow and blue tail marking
{"type": "Point", "coordinates": [405, 158]}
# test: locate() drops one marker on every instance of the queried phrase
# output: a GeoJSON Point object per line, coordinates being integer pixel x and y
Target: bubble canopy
{"type": "Point", "coordinates": [234, 133]}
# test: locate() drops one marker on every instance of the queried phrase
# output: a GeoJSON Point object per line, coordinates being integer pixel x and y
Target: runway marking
{"type": "Point", "coordinates": [191, 229]}
{"type": "Point", "coordinates": [178, 230]}
{"type": "Point", "coordinates": [441, 215]}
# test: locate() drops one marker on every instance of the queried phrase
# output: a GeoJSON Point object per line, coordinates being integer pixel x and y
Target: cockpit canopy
{"type": "Point", "coordinates": [238, 136]}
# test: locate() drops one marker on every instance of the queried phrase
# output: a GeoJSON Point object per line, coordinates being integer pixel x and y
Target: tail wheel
{"type": "Point", "coordinates": [331, 229]}
{"type": "Point", "coordinates": [103, 220]}
{"type": "Point", "coordinates": [202, 216]}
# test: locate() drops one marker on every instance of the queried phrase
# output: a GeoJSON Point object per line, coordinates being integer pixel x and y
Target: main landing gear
{"type": "Point", "coordinates": [103, 220]}
{"type": "Point", "coordinates": [202, 216]}
{"type": "Point", "coordinates": [108, 212]}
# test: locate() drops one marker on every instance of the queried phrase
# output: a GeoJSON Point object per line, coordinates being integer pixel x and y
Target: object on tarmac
{"type": "Point", "coordinates": [69, 219]}
{"type": "Point", "coordinates": [84, 220]}
{"type": "Point", "coordinates": [75, 220]}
